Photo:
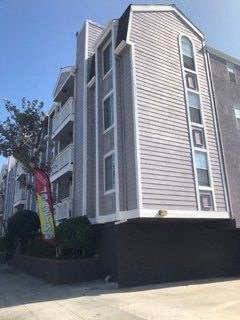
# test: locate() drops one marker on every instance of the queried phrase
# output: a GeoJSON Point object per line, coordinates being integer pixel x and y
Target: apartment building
{"type": "Point", "coordinates": [3, 178]}
{"type": "Point", "coordinates": [225, 77]}
{"type": "Point", "coordinates": [146, 140]}
{"type": "Point", "coordinates": [142, 137]}
{"type": "Point", "coordinates": [133, 131]}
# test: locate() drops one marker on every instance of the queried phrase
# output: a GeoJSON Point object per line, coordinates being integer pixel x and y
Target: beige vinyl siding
{"type": "Point", "coordinates": [165, 152]}
{"type": "Point", "coordinates": [93, 33]}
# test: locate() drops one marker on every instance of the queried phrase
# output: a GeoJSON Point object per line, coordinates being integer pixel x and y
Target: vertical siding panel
{"type": "Point", "coordinates": [126, 138]}
{"type": "Point", "coordinates": [93, 33]}
{"type": "Point", "coordinates": [78, 125]}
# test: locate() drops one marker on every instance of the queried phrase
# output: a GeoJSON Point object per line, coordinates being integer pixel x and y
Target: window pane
{"type": "Point", "coordinates": [187, 52]}
{"type": "Point", "coordinates": [107, 59]}
{"type": "Point", "coordinates": [195, 115]}
{"type": "Point", "coordinates": [109, 173]}
{"type": "Point", "coordinates": [230, 67]}
{"type": "Point", "coordinates": [188, 62]}
{"type": "Point", "coordinates": [108, 112]}
{"type": "Point", "coordinates": [237, 113]}
{"type": "Point", "coordinates": [201, 160]}
{"type": "Point", "coordinates": [203, 177]}
{"type": "Point", "coordinates": [191, 81]}
{"type": "Point", "coordinates": [187, 49]}
{"type": "Point", "coordinates": [238, 123]}
{"type": "Point", "coordinates": [193, 100]}
{"type": "Point", "coordinates": [232, 76]}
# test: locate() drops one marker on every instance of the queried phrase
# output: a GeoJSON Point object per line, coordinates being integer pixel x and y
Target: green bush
{"type": "Point", "coordinates": [3, 244]}
{"type": "Point", "coordinates": [23, 225]}
{"type": "Point", "coordinates": [75, 234]}
{"type": "Point", "coordinates": [39, 248]}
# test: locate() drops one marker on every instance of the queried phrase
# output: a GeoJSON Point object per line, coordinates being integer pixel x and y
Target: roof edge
{"type": "Point", "coordinates": [222, 54]}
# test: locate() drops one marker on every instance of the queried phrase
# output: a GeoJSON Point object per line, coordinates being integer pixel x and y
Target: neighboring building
{"type": "Point", "coordinates": [225, 76]}
{"type": "Point", "coordinates": [10, 189]}
{"type": "Point", "coordinates": [3, 179]}
{"type": "Point", "coordinates": [60, 146]}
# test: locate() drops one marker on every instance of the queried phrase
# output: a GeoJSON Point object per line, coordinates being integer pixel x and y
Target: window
{"type": "Point", "coordinates": [109, 173]}
{"type": "Point", "coordinates": [187, 52]}
{"type": "Point", "coordinates": [237, 115]}
{"type": "Point", "coordinates": [194, 107]}
{"type": "Point", "coordinates": [108, 112]}
{"type": "Point", "coordinates": [202, 168]}
{"type": "Point", "coordinates": [191, 80]}
{"type": "Point", "coordinates": [231, 71]}
{"type": "Point", "coordinates": [107, 58]}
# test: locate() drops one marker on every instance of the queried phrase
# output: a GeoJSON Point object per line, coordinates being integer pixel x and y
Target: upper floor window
{"type": "Point", "coordinates": [202, 168]}
{"type": "Point", "coordinates": [231, 71]}
{"type": "Point", "coordinates": [107, 58]}
{"type": "Point", "coordinates": [109, 170]}
{"type": "Point", "coordinates": [191, 81]}
{"type": "Point", "coordinates": [194, 107]}
{"type": "Point", "coordinates": [187, 53]}
{"type": "Point", "coordinates": [108, 112]}
{"type": "Point", "coordinates": [237, 115]}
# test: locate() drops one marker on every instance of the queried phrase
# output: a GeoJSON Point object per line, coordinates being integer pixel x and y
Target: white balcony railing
{"type": "Point", "coordinates": [63, 159]}
{"type": "Point", "coordinates": [63, 209]}
{"type": "Point", "coordinates": [20, 195]}
{"type": "Point", "coordinates": [65, 114]}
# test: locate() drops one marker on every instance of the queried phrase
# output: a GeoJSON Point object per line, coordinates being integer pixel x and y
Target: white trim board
{"type": "Point", "coordinates": [84, 190]}
{"type": "Point", "coordinates": [114, 217]}
{"type": "Point", "coordinates": [151, 213]}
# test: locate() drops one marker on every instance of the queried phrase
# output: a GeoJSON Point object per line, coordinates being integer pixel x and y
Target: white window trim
{"type": "Point", "coordinates": [236, 117]}
{"type": "Point", "coordinates": [103, 100]}
{"type": "Point", "coordinates": [106, 192]}
{"type": "Point", "coordinates": [231, 70]}
{"type": "Point", "coordinates": [199, 125]}
{"type": "Point", "coordinates": [103, 48]}
{"type": "Point", "coordinates": [190, 124]}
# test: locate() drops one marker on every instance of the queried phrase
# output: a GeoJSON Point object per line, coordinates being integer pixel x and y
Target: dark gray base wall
{"type": "Point", "coordinates": [148, 251]}
{"type": "Point", "coordinates": [59, 271]}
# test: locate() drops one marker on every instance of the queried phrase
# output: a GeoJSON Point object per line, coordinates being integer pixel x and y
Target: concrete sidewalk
{"type": "Point", "coordinates": [27, 298]}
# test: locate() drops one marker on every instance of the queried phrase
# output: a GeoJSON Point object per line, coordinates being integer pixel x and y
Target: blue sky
{"type": "Point", "coordinates": [38, 37]}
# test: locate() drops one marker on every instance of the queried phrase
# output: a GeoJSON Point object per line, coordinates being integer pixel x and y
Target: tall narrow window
{"type": "Point", "coordinates": [109, 173]}
{"type": "Point", "coordinates": [237, 115]}
{"type": "Point", "coordinates": [108, 112]}
{"type": "Point", "coordinates": [194, 107]}
{"type": "Point", "coordinates": [107, 58]}
{"type": "Point", "coordinates": [187, 52]}
{"type": "Point", "coordinates": [231, 71]}
{"type": "Point", "coordinates": [202, 168]}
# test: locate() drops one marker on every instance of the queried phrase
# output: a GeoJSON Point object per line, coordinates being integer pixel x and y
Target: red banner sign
{"type": "Point", "coordinates": [45, 206]}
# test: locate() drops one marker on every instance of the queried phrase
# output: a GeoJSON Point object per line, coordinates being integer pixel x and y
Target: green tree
{"type": "Point", "coordinates": [22, 133]}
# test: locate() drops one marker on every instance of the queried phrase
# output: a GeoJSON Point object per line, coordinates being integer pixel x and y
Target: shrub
{"type": "Point", "coordinates": [75, 234]}
{"type": "Point", "coordinates": [22, 225]}
{"type": "Point", "coordinates": [3, 244]}
{"type": "Point", "coordinates": [40, 248]}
